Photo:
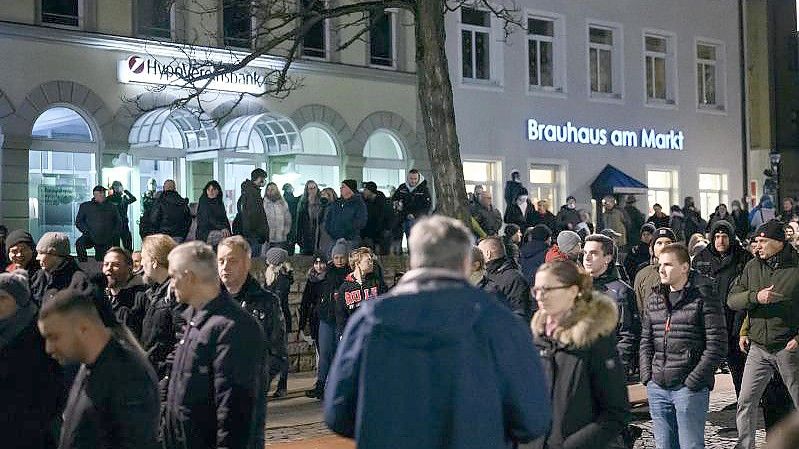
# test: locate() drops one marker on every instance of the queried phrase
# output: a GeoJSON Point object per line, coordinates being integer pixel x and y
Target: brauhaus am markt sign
{"type": "Point", "coordinates": [585, 135]}
{"type": "Point", "coordinates": [149, 70]}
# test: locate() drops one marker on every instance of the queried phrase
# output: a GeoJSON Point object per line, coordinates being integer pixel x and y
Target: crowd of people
{"type": "Point", "coordinates": [522, 328]}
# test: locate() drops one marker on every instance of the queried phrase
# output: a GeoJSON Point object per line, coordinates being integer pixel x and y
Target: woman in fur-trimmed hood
{"type": "Point", "coordinates": [574, 331]}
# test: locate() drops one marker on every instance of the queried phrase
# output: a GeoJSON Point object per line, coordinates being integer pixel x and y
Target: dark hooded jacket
{"type": "Point", "coordinates": [312, 296]}
{"type": "Point", "coordinates": [431, 323]}
{"type": "Point", "coordinates": [170, 215]}
{"type": "Point", "coordinates": [45, 284]}
{"type": "Point", "coordinates": [326, 308]}
{"type": "Point", "coordinates": [567, 219]}
{"type": "Point", "coordinates": [128, 305]}
{"type": "Point", "coordinates": [628, 332]}
{"type": "Point", "coordinates": [531, 256]}
{"type": "Point", "coordinates": [513, 214]}
{"type": "Point", "coordinates": [547, 218]}
{"type": "Point", "coordinates": [161, 326]}
{"type": "Point", "coordinates": [281, 287]}
{"type": "Point", "coordinates": [682, 344]}
{"type": "Point", "coordinates": [99, 221]}
{"type": "Point", "coordinates": [211, 215]}
{"type": "Point", "coordinates": [344, 219]}
{"type": "Point", "coordinates": [264, 306]}
{"type": "Point", "coordinates": [510, 281]}
{"type": "Point", "coordinates": [251, 221]}
{"type": "Point", "coordinates": [489, 220]}
{"type": "Point", "coordinates": [589, 397]}
{"type": "Point", "coordinates": [415, 201]}
{"type": "Point", "coordinates": [659, 222]}
{"type": "Point", "coordinates": [378, 217]}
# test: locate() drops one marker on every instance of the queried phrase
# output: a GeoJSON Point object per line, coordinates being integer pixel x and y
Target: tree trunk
{"type": "Point", "coordinates": [438, 111]}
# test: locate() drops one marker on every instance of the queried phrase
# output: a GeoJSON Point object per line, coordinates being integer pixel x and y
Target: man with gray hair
{"type": "Point", "coordinates": [211, 396]}
{"type": "Point", "coordinates": [446, 366]}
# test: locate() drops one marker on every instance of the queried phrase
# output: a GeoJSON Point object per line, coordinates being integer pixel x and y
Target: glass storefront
{"type": "Point", "coordinates": [385, 164]}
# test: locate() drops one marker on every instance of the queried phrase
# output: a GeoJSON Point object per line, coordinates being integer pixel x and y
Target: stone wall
{"type": "Point", "coordinates": [302, 356]}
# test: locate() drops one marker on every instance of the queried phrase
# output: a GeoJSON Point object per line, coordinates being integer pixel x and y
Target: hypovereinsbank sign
{"type": "Point", "coordinates": [150, 70]}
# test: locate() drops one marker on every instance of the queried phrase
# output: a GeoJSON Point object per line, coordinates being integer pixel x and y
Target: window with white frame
{"type": "Point", "coordinates": [709, 76]}
{"type": "Point", "coordinates": [541, 54]}
{"type": "Point", "coordinates": [658, 62]}
{"type": "Point", "coordinates": [662, 188]}
{"type": "Point", "coordinates": [314, 43]}
{"type": "Point", "coordinates": [237, 23]}
{"type": "Point", "coordinates": [382, 39]}
{"type": "Point", "coordinates": [475, 44]}
{"type": "Point", "coordinates": [603, 59]}
{"type": "Point", "coordinates": [154, 18]}
{"type": "Point", "coordinates": [544, 180]}
{"type": "Point", "coordinates": [482, 173]}
{"type": "Point", "coordinates": [61, 12]}
{"type": "Point", "coordinates": [712, 192]}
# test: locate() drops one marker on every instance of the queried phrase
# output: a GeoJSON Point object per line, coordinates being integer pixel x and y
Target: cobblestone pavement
{"type": "Point", "coordinates": [297, 423]}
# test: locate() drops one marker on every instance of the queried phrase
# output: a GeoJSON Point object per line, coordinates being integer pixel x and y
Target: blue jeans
{"type": "Point", "coordinates": [678, 416]}
{"type": "Point", "coordinates": [327, 349]}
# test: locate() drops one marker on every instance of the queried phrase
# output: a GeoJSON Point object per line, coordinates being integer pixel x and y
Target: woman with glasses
{"type": "Point", "coordinates": [574, 330]}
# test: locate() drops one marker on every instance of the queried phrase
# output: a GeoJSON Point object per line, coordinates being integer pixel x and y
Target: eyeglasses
{"type": "Point", "coordinates": [538, 290]}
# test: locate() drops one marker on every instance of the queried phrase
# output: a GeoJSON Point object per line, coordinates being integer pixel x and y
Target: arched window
{"type": "Point", "coordinates": [62, 170]}
{"type": "Point", "coordinates": [320, 160]}
{"type": "Point", "coordinates": [385, 162]}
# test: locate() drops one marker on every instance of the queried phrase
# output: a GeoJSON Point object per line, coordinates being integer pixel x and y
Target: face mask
{"type": "Point", "coordinates": [521, 200]}
{"type": "Point", "coordinates": [571, 205]}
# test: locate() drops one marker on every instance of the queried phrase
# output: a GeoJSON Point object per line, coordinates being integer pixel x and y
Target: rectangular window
{"type": "Point", "coordinates": [475, 44]}
{"type": "Point", "coordinates": [484, 173]}
{"type": "Point", "coordinates": [662, 188]}
{"type": "Point", "coordinates": [540, 52]}
{"type": "Point", "coordinates": [237, 23]}
{"type": "Point", "coordinates": [314, 43]}
{"type": "Point", "coordinates": [544, 180]}
{"type": "Point", "coordinates": [154, 18]}
{"type": "Point", "coordinates": [712, 192]}
{"type": "Point", "coordinates": [61, 12]}
{"type": "Point", "coordinates": [660, 69]}
{"type": "Point", "coordinates": [708, 75]}
{"type": "Point", "coordinates": [601, 49]}
{"type": "Point", "coordinates": [381, 39]}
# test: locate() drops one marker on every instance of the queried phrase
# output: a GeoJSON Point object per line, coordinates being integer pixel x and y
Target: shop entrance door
{"type": "Point", "coordinates": [150, 169]}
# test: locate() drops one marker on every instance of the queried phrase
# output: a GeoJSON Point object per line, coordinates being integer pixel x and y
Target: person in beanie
{"type": "Point", "coordinates": [723, 260]}
{"type": "Point", "coordinates": [250, 221]}
{"type": "Point", "coordinates": [648, 277]}
{"type": "Point", "coordinates": [635, 219]}
{"type": "Point", "coordinates": [533, 249]}
{"type": "Point", "coordinates": [121, 199]}
{"type": "Point", "coordinates": [346, 217]}
{"type": "Point", "coordinates": [22, 253]}
{"type": "Point", "coordinates": [639, 255]}
{"type": "Point", "coordinates": [278, 279]}
{"type": "Point", "coordinates": [379, 215]}
{"type": "Point", "coordinates": [100, 223]}
{"type": "Point", "coordinates": [512, 238]}
{"type": "Point", "coordinates": [30, 381]}
{"type": "Point", "coordinates": [512, 286]}
{"type": "Point", "coordinates": [312, 296]}
{"type": "Point", "coordinates": [362, 284]}
{"type": "Point", "coordinates": [58, 267]}
{"type": "Point", "coordinates": [767, 291]}
{"type": "Point", "coordinates": [568, 217]}
{"type": "Point", "coordinates": [278, 216]}
{"type": "Point", "coordinates": [568, 247]}
{"type": "Point", "coordinates": [413, 199]}
{"type": "Point", "coordinates": [170, 214]}
{"type": "Point", "coordinates": [658, 218]}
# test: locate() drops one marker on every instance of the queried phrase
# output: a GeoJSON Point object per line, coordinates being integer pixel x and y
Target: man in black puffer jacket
{"type": "Point", "coordinates": [99, 222]}
{"type": "Point", "coordinates": [598, 261]}
{"type": "Point", "coordinates": [512, 287]}
{"type": "Point", "coordinates": [723, 260]}
{"type": "Point", "coordinates": [170, 214]}
{"type": "Point", "coordinates": [684, 340]}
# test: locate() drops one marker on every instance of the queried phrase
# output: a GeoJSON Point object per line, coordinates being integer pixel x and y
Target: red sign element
{"type": "Point", "coordinates": [136, 64]}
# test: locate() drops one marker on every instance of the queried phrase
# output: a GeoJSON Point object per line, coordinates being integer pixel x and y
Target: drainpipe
{"type": "Point", "coordinates": [744, 85]}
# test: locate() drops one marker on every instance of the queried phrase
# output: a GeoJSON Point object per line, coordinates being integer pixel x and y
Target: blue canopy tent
{"type": "Point", "coordinates": [612, 181]}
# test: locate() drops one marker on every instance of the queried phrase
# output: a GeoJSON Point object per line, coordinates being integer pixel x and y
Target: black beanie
{"type": "Point", "coordinates": [664, 232]}
{"type": "Point", "coordinates": [772, 229]}
{"type": "Point", "coordinates": [19, 236]}
{"type": "Point", "coordinates": [352, 184]}
{"type": "Point", "coordinates": [723, 227]}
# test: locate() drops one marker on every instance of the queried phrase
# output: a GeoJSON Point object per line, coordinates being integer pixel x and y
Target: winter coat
{"type": "Point", "coordinates": [513, 214]}
{"type": "Point", "coordinates": [327, 305]}
{"type": "Point", "coordinates": [741, 222]}
{"type": "Point", "coordinates": [264, 306]}
{"type": "Point", "coordinates": [614, 219]}
{"type": "Point", "coordinates": [292, 202]}
{"type": "Point", "coordinates": [310, 217]}
{"type": "Point", "coordinates": [345, 219]}
{"type": "Point", "coordinates": [113, 403]}
{"type": "Point", "coordinates": [489, 220]}
{"type": "Point", "coordinates": [44, 285]}
{"type": "Point", "coordinates": [250, 220]}
{"type": "Point", "coordinates": [637, 258]}
{"type": "Point", "coordinates": [694, 223]}
{"type": "Point", "coordinates": [683, 344]}
{"type": "Point", "coordinates": [414, 201]}
{"type": "Point", "coordinates": [121, 201]}
{"type": "Point", "coordinates": [281, 287]}
{"type": "Point", "coordinates": [378, 217]}
{"type": "Point", "coordinates": [170, 215]}
{"type": "Point", "coordinates": [677, 224]}
{"type": "Point", "coordinates": [635, 221]}
{"type": "Point", "coordinates": [100, 222]}
{"type": "Point", "coordinates": [148, 200]}
{"type": "Point", "coordinates": [715, 217]}
{"type": "Point", "coordinates": [590, 407]}
{"type": "Point", "coordinates": [512, 191]}
{"type": "Point", "coordinates": [352, 294]}
{"type": "Point", "coordinates": [659, 222]}
{"type": "Point", "coordinates": [212, 388]}
{"type": "Point", "coordinates": [770, 325]}
{"type": "Point", "coordinates": [546, 218]}
{"type": "Point", "coordinates": [567, 219]}
{"type": "Point", "coordinates": [211, 216]}
{"type": "Point", "coordinates": [31, 389]}
{"type": "Point", "coordinates": [125, 306]}
{"type": "Point", "coordinates": [531, 256]}
{"type": "Point", "coordinates": [511, 249]}
{"type": "Point", "coordinates": [161, 326]}
{"type": "Point", "coordinates": [646, 279]}
{"type": "Point", "coordinates": [431, 323]}
{"type": "Point", "coordinates": [312, 295]}
{"type": "Point", "coordinates": [628, 331]}
{"type": "Point", "coordinates": [513, 285]}
{"type": "Point", "coordinates": [279, 218]}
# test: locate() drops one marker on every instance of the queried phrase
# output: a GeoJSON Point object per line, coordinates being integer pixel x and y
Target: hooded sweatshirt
{"type": "Point", "coordinates": [415, 200]}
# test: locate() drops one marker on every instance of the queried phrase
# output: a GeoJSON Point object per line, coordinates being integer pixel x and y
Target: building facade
{"type": "Point", "coordinates": [652, 89]}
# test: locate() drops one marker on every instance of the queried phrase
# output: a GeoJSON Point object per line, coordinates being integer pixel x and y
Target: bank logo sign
{"type": "Point", "coordinates": [149, 70]}
{"type": "Point", "coordinates": [568, 133]}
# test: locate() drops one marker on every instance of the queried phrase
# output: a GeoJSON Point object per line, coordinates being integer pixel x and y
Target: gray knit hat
{"type": "Point", "coordinates": [341, 248]}
{"type": "Point", "coordinates": [15, 284]}
{"type": "Point", "coordinates": [276, 256]}
{"type": "Point", "coordinates": [569, 242]}
{"type": "Point", "coordinates": [55, 243]}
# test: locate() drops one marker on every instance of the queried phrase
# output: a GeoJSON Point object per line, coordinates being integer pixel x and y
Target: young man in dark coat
{"type": "Point", "coordinates": [123, 288]}
{"type": "Point", "coordinates": [436, 337]}
{"type": "Point", "coordinates": [250, 222]}
{"type": "Point", "coordinates": [100, 224]}
{"type": "Point", "coordinates": [683, 342]}
{"type": "Point", "coordinates": [345, 218]}
{"type": "Point", "coordinates": [212, 391]}
{"type": "Point", "coordinates": [234, 261]}
{"type": "Point", "coordinates": [533, 250]}
{"type": "Point", "coordinates": [113, 402]}
{"type": "Point", "coordinates": [659, 218]}
{"type": "Point", "coordinates": [640, 255]}
{"type": "Point", "coordinates": [30, 381]}
{"type": "Point", "coordinates": [58, 267]}
{"type": "Point", "coordinates": [171, 215]}
{"type": "Point", "coordinates": [378, 213]}
{"type": "Point", "coordinates": [505, 274]}
{"type": "Point", "coordinates": [121, 199]}
{"type": "Point", "coordinates": [513, 187]}
{"type": "Point", "coordinates": [413, 199]}
{"type": "Point", "coordinates": [568, 217]}
{"type": "Point", "coordinates": [723, 260]}
{"type": "Point", "coordinates": [635, 220]}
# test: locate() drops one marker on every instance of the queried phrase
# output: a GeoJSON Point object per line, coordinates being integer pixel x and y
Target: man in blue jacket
{"type": "Point", "coordinates": [348, 215]}
{"type": "Point", "coordinates": [447, 365]}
